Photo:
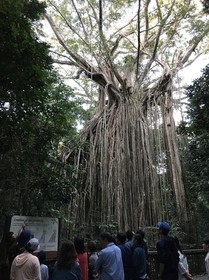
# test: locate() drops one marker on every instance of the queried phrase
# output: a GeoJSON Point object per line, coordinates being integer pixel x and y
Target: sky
{"type": "Point", "coordinates": [194, 71]}
{"type": "Point", "coordinates": [188, 75]}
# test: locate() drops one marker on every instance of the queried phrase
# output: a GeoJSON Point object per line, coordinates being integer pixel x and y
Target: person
{"type": "Point", "coordinates": [144, 246]}
{"type": "Point", "coordinates": [143, 243]}
{"type": "Point", "coordinates": [126, 253]}
{"type": "Point", "coordinates": [206, 248]}
{"type": "Point", "coordinates": [19, 246]}
{"type": "Point", "coordinates": [26, 266]}
{"type": "Point", "coordinates": [92, 257]}
{"type": "Point", "coordinates": [129, 236]}
{"type": "Point", "coordinates": [109, 263]}
{"type": "Point", "coordinates": [8, 240]}
{"type": "Point", "coordinates": [183, 267]}
{"type": "Point", "coordinates": [44, 268]}
{"type": "Point", "coordinates": [138, 260]}
{"type": "Point", "coordinates": [82, 257]}
{"type": "Point", "coordinates": [67, 267]}
{"type": "Point", "coordinates": [167, 254]}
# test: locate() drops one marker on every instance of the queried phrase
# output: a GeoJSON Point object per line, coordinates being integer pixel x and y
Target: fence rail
{"type": "Point", "coordinates": [195, 257]}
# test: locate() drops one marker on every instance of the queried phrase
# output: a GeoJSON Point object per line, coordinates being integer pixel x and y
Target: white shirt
{"type": "Point", "coordinates": [182, 266]}
{"type": "Point", "coordinates": [207, 264]}
{"type": "Point", "coordinates": [44, 272]}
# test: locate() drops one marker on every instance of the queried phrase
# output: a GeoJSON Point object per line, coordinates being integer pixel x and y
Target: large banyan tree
{"type": "Point", "coordinates": [133, 51]}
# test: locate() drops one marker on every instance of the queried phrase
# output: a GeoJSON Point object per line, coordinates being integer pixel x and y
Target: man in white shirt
{"type": "Point", "coordinates": [205, 246]}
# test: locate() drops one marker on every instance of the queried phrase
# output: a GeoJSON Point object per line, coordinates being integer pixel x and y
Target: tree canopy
{"type": "Point", "coordinates": [133, 51]}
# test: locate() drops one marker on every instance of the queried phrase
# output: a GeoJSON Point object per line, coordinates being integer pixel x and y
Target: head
{"type": "Point", "coordinates": [32, 245]}
{"type": "Point", "coordinates": [138, 239]}
{"type": "Point", "coordinates": [79, 245]}
{"type": "Point", "coordinates": [205, 245]}
{"type": "Point", "coordinates": [10, 238]}
{"type": "Point", "coordinates": [67, 255]}
{"type": "Point", "coordinates": [164, 228]}
{"type": "Point", "coordinates": [41, 256]}
{"type": "Point", "coordinates": [105, 238]}
{"type": "Point", "coordinates": [24, 237]}
{"type": "Point", "coordinates": [129, 235]}
{"type": "Point", "coordinates": [92, 246]}
{"type": "Point", "coordinates": [178, 246]}
{"type": "Point", "coordinates": [121, 238]}
{"type": "Point", "coordinates": [141, 232]}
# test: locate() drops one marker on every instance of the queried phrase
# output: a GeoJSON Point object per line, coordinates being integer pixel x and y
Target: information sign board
{"type": "Point", "coordinates": [45, 229]}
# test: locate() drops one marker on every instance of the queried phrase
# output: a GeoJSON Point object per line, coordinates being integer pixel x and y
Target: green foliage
{"type": "Point", "coordinates": [30, 152]}
{"type": "Point", "coordinates": [199, 100]}
{"type": "Point", "coordinates": [110, 227]}
{"type": "Point", "coordinates": [128, 60]}
{"type": "Point", "coordinates": [196, 157]}
{"type": "Point", "coordinates": [24, 60]}
{"type": "Point", "coordinates": [38, 115]}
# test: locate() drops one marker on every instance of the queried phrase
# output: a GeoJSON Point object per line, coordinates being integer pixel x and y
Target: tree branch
{"type": "Point", "coordinates": [139, 39]}
{"type": "Point", "coordinates": [192, 60]}
{"type": "Point", "coordinates": [116, 32]}
{"type": "Point", "coordinates": [77, 76]}
{"type": "Point", "coordinates": [80, 19]}
{"type": "Point", "coordinates": [162, 24]}
{"type": "Point", "coordinates": [120, 37]}
{"type": "Point", "coordinates": [70, 26]}
{"type": "Point", "coordinates": [64, 62]}
{"type": "Point", "coordinates": [107, 50]}
{"type": "Point", "coordinates": [193, 45]}
{"type": "Point", "coordinates": [78, 60]}
{"type": "Point", "coordinates": [146, 11]}
{"type": "Point", "coordinates": [159, 88]}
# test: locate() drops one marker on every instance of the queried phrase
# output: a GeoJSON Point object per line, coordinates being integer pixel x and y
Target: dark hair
{"type": "Point", "coordinates": [206, 241]}
{"type": "Point", "coordinates": [121, 236]}
{"type": "Point", "coordinates": [24, 237]}
{"type": "Point", "coordinates": [67, 255]}
{"type": "Point", "coordinates": [92, 246]}
{"type": "Point", "coordinates": [178, 244]}
{"type": "Point", "coordinates": [164, 231]}
{"type": "Point", "coordinates": [41, 256]}
{"type": "Point", "coordinates": [129, 234]}
{"type": "Point", "coordinates": [138, 238]}
{"type": "Point", "coordinates": [27, 248]}
{"type": "Point", "coordinates": [106, 236]}
{"type": "Point", "coordinates": [141, 232]}
{"type": "Point", "coordinates": [79, 245]}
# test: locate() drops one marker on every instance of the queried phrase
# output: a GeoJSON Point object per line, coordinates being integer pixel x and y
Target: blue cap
{"type": "Point", "coordinates": [164, 226]}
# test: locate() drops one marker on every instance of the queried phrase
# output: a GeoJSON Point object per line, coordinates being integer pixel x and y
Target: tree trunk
{"type": "Point", "coordinates": [122, 183]}
{"type": "Point", "coordinates": [174, 164]}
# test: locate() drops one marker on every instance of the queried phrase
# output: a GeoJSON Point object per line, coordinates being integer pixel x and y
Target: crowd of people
{"type": "Point", "coordinates": [120, 257]}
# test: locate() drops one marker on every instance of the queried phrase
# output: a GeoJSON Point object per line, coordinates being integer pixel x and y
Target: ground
{"type": "Point", "coordinates": [200, 277]}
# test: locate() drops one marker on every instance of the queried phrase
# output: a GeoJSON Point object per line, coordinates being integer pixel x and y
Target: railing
{"type": "Point", "coordinates": [195, 257]}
